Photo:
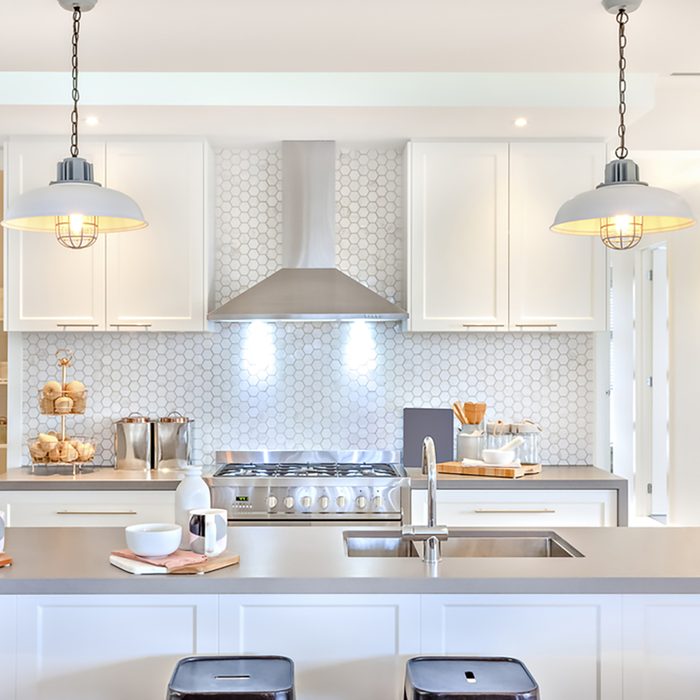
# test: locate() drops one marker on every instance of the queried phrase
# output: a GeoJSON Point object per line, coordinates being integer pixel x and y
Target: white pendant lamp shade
{"type": "Point", "coordinates": [655, 209]}
{"type": "Point", "coordinates": [43, 208]}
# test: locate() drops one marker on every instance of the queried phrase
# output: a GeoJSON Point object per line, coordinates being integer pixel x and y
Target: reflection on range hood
{"type": "Point", "coordinates": [308, 287]}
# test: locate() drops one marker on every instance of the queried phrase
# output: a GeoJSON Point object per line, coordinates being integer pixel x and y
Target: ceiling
{"type": "Point", "coordinates": [515, 41]}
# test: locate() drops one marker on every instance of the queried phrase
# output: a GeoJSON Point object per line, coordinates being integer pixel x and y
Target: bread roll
{"type": "Point", "coordinates": [63, 404]}
{"type": "Point", "coordinates": [52, 390]}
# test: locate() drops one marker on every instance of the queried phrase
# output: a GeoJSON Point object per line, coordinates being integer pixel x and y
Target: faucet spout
{"type": "Point", "coordinates": [431, 548]}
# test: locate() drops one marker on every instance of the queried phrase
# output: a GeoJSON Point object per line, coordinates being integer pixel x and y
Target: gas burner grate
{"type": "Point", "coordinates": [334, 470]}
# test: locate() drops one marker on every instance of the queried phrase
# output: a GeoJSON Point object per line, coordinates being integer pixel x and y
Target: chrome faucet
{"type": "Point", "coordinates": [433, 534]}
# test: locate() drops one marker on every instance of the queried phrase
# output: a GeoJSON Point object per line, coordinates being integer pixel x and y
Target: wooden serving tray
{"type": "Point", "coordinates": [209, 565]}
{"type": "Point", "coordinates": [5, 559]}
{"type": "Point", "coordinates": [512, 472]}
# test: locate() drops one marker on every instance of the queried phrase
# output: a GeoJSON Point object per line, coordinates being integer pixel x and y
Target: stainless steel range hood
{"type": "Point", "coordinates": [308, 287]}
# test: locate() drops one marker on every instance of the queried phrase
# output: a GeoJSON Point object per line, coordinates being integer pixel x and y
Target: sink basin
{"type": "Point", "coordinates": [462, 543]}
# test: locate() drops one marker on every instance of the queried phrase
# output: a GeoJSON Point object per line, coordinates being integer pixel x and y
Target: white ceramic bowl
{"type": "Point", "coordinates": [498, 457]}
{"type": "Point", "coordinates": [153, 539]}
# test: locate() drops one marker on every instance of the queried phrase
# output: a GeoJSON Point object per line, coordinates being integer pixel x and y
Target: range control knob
{"type": "Point", "coordinates": [272, 502]}
{"type": "Point", "coordinates": [340, 501]}
{"type": "Point", "coordinates": [306, 502]}
{"type": "Point", "coordinates": [289, 503]}
{"type": "Point", "coordinates": [323, 502]}
{"type": "Point", "coordinates": [361, 502]}
{"type": "Point", "coordinates": [377, 503]}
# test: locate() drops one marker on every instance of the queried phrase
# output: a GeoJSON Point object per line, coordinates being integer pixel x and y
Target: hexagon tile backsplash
{"type": "Point", "coordinates": [317, 385]}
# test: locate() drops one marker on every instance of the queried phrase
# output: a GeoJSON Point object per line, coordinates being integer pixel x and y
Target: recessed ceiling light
{"type": "Point", "coordinates": [520, 122]}
{"type": "Point", "coordinates": [92, 120]}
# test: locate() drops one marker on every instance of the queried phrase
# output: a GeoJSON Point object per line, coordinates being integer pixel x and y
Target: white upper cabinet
{"type": "Point", "coordinates": [151, 279]}
{"type": "Point", "coordinates": [457, 236]}
{"type": "Point", "coordinates": [49, 287]}
{"type": "Point", "coordinates": [480, 253]}
{"type": "Point", "coordinates": [155, 276]}
{"type": "Point", "coordinates": [557, 282]}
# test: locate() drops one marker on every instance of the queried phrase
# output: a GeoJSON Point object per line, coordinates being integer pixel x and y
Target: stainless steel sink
{"type": "Point", "coordinates": [462, 543]}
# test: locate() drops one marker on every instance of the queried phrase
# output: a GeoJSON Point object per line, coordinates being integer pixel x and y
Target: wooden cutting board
{"type": "Point", "coordinates": [209, 565]}
{"type": "Point", "coordinates": [511, 472]}
{"type": "Point", "coordinates": [5, 559]}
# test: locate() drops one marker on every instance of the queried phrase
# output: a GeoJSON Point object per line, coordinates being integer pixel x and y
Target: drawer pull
{"type": "Point", "coordinates": [536, 325]}
{"type": "Point", "coordinates": [483, 325]}
{"type": "Point", "coordinates": [77, 325]}
{"type": "Point", "coordinates": [130, 325]}
{"type": "Point", "coordinates": [513, 510]}
{"type": "Point", "coordinates": [96, 512]}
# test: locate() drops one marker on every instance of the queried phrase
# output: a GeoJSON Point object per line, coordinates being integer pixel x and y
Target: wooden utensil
{"type": "Point", "coordinates": [209, 565]}
{"type": "Point", "coordinates": [457, 410]}
{"type": "Point", "coordinates": [474, 412]}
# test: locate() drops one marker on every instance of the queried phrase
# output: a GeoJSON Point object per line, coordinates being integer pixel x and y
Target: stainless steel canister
{"type": "Point", "coordinates": [133, 442]}
{"type": "Point", "coordinates": [172, 442]}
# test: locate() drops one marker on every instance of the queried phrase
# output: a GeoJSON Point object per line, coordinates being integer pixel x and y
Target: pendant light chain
{"type": "Point", "coordinates": [74, 73]}
{"type": "Point", "coordinates": [622, 17]}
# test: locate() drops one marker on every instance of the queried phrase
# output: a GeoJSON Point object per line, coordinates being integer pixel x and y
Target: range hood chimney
{"type": "Point", "coordinates": [308, 287]}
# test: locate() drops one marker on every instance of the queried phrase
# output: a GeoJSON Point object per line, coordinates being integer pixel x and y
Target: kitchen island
{"type": "Point", "coordinates": [621, 621]}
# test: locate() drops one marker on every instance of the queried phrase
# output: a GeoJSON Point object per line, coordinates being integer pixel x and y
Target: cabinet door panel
{"type": "Point", "coordinates": [458, 236]}
{"type": "Point", "coordinates": [50, 287]}
{"type": "Point", "coordinates": [109, 647]}
{"type": "Point", "coordinates": [155, 276]}
{"type": "Point", "coordinates": [557, 282]}
{"type": "Point", "coordinates": [570, 644]}
{"type": "Point", "coordinates": [343, 646]}
{"type": "Point", "coordinates": [531, 508]}
{"type": "Point", "coordinates": [661, 646]}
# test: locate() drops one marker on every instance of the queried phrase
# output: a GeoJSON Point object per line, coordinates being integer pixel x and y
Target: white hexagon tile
{"type": "Point", "coordinates": [322, 385]}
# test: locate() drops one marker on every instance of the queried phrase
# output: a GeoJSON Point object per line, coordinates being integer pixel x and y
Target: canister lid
{"type": "Point", "coordinates": [134, 418]}
{"type": "Point", "coordinates": [526, 426]}
{"type": "Point", "coordinates": [498, 427]}
{"type": "Point", "coordinates": [174, 417]}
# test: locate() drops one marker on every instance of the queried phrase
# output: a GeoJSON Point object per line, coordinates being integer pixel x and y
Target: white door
{"type": "Point", "coordinates": [457, 236]}
{"type": "Point", "coordinates": [155, 276]}
{"type": "Point", "coordinates": [661, 639]}
{"type": "Point", "coordinates": [557, 282]}
{"type": "Point", "coordinates": [570, 644]}
{"type": "Point", "coordinates": [49, 287]}
{"type": "Point", "coordinates": [343, 646]}
{"type": "Point", "coordinates": [110, 647]}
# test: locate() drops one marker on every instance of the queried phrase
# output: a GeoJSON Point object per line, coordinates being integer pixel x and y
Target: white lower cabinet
{"type": "Point", "coordinates": [86, 508]}
{"type": "Point", "coordinates": [578, 647]}
{"type": "Point", "coordinates": [570, 644]}
{"type": "Point", "coordinates": [661, 639]}
{"type": "Point", "coordinates": [343, 646]}
{"type": "Point", "coordinates": [518, 508]}
{"type": "Point", "coordinates": [108, 647]}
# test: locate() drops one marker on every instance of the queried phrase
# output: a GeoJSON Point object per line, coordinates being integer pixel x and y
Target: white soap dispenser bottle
{"type": "Point", "coordinates": [192, 492]}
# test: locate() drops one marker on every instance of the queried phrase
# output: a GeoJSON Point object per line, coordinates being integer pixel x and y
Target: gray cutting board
{"type": "Point", "coordinates": [418, 423]}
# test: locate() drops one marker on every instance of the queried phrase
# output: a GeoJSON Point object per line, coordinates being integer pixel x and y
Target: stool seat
{"type": "Point", "coordinates": [232, 678]}
{"type": "Point", "coordinates": [462, 678]}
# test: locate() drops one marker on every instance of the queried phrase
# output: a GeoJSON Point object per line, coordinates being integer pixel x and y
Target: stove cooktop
{"type": "Point", "coordinates": [329, 470]}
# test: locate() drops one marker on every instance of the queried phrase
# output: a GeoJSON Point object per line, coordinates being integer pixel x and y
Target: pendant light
{"type": "Point", "coordinates": [74, 207]}
{"type": "Point", "coordinates": [622, 208]}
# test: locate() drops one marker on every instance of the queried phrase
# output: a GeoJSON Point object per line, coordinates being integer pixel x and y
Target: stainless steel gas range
{"type": "Point", "coordinates": [309, 487]}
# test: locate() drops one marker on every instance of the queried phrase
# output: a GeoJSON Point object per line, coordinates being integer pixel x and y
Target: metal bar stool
{"type": "Point", "coordinates": [232, 678]}
{"type": "Point", "coordinates": [468, 678]}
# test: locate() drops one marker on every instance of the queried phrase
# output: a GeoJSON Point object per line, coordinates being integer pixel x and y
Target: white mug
{"type": "Point", "coordinates": [2, 530]}
{"type": "Point", "coordinates": [207, 531]}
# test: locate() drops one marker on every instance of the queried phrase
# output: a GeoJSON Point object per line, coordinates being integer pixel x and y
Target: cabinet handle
{"type": "Point", "coordinates": [513, 510]}
{"type": "Point", "coordinates": [96, 512]}
{"type": "Point", "coordinates": [130, 325]}
{"type": "Point", "coordinates": [77, 325]}
{"type": "Point", "coordinates": [536, 325]}
{"type": "Point", "coordinates": [483, 325]}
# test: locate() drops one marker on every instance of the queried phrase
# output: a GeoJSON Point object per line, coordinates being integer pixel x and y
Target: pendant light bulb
{"type": "Point", "coordinates": [74, 207]}
{"type": "Point", "coordinates": [622, 208]}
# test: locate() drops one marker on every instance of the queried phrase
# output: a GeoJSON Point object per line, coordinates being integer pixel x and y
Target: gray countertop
{"type": "Point", "coordinates": [312, 560]}
{"type": "Point", "coordinates": [107, 478]}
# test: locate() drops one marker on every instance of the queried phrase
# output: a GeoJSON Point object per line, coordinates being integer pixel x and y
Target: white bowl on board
{"type": "Point", "coordinates": [153, 539]}
{"type": "Point", "coordinates": [498, 457]}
